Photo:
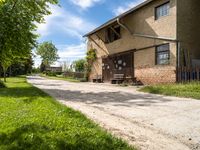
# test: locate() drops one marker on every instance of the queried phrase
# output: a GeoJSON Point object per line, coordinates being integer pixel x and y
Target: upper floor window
{"type": "Point", "coordinates": [162, 54]}
{"type": "Point", "coordinates": [113, 33]}
{"type": "Point", "coordinates": [162, 10]}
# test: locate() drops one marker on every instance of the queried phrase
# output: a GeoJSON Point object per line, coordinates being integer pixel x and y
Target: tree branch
{"type": "Point", "coordinates": [15, 3]}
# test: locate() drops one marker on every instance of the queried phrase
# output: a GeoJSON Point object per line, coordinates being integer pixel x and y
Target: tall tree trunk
{"type": "Point", "coordinates": [4, 75]}
{"type": "Point", "coordinates": [0, 72]}
{"type": "Point", "coordinates": [10, 71]}
{"type": "Point", "coordinates": [5, 68]}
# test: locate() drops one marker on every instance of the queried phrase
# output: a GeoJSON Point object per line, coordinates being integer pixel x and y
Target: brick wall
{"type": "Point", "coordinates": [156, 75]}
{"type": "Point", "coordinates": [148, 72]}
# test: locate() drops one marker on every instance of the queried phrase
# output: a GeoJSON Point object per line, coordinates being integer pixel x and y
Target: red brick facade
{"type": "Point", "coordinates": [156, 75]}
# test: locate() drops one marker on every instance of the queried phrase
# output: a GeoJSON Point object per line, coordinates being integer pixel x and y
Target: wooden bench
{"type": "Point", "coordinates": [98, 79]}
{"type": "Point", "coordinates": [117, 79]}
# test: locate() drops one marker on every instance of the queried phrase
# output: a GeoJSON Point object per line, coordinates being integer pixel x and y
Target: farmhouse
{"type": "Point", "coordinates": [148, 43]}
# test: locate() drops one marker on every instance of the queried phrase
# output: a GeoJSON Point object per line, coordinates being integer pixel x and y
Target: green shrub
{"type": "Point", "coordinates": [83, 80]}
{"type": "Point", "coordinates": [59, 73]}
{"type": "Point", "coordinates": [51, 74]}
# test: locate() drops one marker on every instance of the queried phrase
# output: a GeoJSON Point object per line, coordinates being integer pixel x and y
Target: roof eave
{"type": "Point", "coordinates": [120, 16]}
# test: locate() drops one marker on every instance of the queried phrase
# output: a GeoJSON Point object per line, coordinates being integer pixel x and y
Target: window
{"type": "Point", "coordinates": [113, 33]}
{"type": "Point", "coordinates": [162, 10]}
{"type": "Point", "coordinates": [162, 54]}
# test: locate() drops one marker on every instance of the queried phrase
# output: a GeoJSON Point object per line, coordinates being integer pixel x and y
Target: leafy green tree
{"type": "Point", "coordinates": [42, 67]}
{"type": "Point", "coordinates": [28, 65]}
{"type": "Point", "coordinates": [20, 68]}
{"type": "Point", "coordinates": [79, 65]}
{"type": "Point", "coordinates": [48, 53]}
{"type": "Point", "coordinates": [18, 20]}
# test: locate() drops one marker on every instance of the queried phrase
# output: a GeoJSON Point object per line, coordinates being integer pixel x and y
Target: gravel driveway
{"type": "Point", "coordinates": [148, 121]}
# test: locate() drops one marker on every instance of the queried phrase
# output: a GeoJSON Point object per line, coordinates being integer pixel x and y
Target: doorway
{"type": "Point", "coordinates": [121, 63]}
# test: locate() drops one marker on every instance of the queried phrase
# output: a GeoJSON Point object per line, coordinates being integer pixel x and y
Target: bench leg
{"type": "Point", "coordinates": [113, 81]}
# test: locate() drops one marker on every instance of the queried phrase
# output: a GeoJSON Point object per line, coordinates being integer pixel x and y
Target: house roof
{"type": "Point", "coordinates": [120, 16]}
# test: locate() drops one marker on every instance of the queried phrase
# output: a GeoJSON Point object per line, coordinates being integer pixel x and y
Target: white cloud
{"type": "Point", "coordinates": [67, 53]}
{"type": "Point", "coordinates": [126, 6]}
{"type": "Point", "coordinates": [84, 4]}
{"type": "Point", "coordinates": [71, 52]}
{"type": "Point", "coordinates": [64, 22]}
{"type": "Point", "coordinates": [59, 22]}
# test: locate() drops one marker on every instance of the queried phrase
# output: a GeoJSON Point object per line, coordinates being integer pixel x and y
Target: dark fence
{"type": "Point", "coordinates": [187, 74]}
{"type": "Point", "coordinates": [74, 74]}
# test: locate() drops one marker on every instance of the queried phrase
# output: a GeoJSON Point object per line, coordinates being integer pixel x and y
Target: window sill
{"type": "Point", "coordinates": [112, 41]}
{"type": "Point", "coordinates": [161, 18]}
{"type": "Point", "coordinates": [163, 64]}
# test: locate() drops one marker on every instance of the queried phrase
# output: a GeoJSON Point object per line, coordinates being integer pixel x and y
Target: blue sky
{"type": "Point", "coordinates": [74, 18]}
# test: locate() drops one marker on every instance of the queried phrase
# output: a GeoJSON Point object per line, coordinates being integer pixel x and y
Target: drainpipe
{"type": "Point", "coordinates": [178, 54]}
{"type": "Point", "coordinates": [143, 35]}
{"type": "Point", "coordinates": [124, 26]}
{"type": "Point", "coordinates": [178, 62]}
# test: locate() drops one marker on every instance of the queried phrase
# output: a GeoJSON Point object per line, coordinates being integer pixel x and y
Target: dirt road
{"type": "Point", "coordinates": [150, 122]}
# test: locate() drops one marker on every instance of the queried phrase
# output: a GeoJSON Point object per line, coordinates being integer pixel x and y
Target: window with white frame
{"type": "Point", "coordinates": [162, 54]}
{"type": "Point", "coordinates": [162, 10]}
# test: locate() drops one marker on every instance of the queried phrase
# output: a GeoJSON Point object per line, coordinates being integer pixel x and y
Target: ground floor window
{"type": "Point", "coordinates": [163, 54]}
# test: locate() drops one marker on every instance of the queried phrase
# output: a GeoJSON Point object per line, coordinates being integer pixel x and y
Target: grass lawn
{"type": "Point", "coordinates": [32, 120]}
{"type": "Point", "coordinates": [189, 90]}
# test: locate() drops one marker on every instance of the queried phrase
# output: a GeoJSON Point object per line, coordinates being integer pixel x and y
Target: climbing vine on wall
{"type": "Point", "coordinates": [91, 58]}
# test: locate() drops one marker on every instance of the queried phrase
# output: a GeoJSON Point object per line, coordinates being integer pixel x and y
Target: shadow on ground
{"type": "Point", "coordinates": [116, 98]}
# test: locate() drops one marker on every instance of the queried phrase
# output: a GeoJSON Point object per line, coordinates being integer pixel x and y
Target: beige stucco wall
{"type": "Point", "coordinates": [188, 21]}
{"type": "Point", "coordinates": [142, 22]}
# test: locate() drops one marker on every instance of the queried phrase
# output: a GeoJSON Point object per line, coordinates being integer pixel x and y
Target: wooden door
{"type": "Point", "coordinates": [121, 63]}
{"type": "Point", "coordinates": [107, 70]}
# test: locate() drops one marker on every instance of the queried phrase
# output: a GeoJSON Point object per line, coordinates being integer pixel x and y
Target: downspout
{"type": "Point", "coordinates": [143, 35]}
{"type": "Point", "coordinates": [124, 26]}
{"type": "Point", "coordinates": [178, 62]}
{"type": "Point", "coordinates": [178, 54]}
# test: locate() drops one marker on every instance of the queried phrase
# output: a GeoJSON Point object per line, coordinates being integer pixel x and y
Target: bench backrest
{"type": "Point", "coordinates": [118, 76]}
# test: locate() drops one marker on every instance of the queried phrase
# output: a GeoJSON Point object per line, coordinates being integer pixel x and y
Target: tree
{"type": "Point", "coordinates": [18, 20]}
{"type": "Point", "coordinates": [79, 65]}
{"type": "Point", "coordinates": [48, 53]}
{"type": "Point", "coordinates": [42, 67]}
{"type": "Point", "coordinates": [21, 68]}
{"type": "Point", "coordinates": [24, 66]}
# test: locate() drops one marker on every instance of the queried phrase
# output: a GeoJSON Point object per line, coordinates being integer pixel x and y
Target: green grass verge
{"type": "Point", "coordinates": [62, 78]}
{"type": "Point", "coordinates": [32, 120]}
{"type": "Point", "coordinates": [188, 90]}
